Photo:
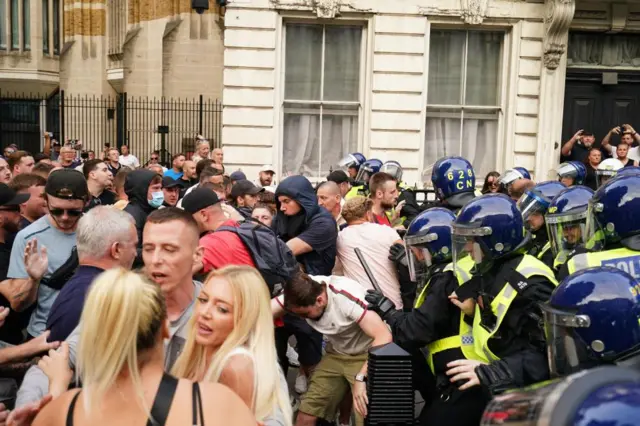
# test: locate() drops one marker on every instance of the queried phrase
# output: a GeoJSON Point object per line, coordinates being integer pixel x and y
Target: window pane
{"type": "Point", "coordinates": [303, 62]}
{"type": "Point", "coordinates": [446, 50]}
{"type": "Point", "coordinates": [26, 24]}
{"type": "Point", "coordinates": [339, 135]}
{"type": "Point", "coordinates": [342, 63]}
{"type": "Point", "coordinates": [15, 25]}
{"type": "Point", "coordinates": [301, 141]}
{"type": "Point", "coordinates": [3, 34]}
{"type": "Point", "coordinates": [442, 135]}
{"type": "Point", "coordinates": [45, 26]}
{"type": "Point", "coordinates": [483, 68]}
{"type": "Point", "coordinates": [479, 136]}
{"type": "Point", "coordinates": [56, 26]}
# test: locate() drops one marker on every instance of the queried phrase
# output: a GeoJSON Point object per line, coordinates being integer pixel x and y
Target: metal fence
{"type": "Point", "coordinates": [145, 124]}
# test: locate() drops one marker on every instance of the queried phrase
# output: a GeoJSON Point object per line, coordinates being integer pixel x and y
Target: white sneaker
{"type": "Point", "coordinates": [292, 356]}
{"type": "Point", "coordinates": [301, 385]}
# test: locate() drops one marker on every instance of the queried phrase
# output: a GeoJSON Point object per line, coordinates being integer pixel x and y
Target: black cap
{"type": "Point", "coordinates": [338, 176]}
{"type": "Point", "coordinates": [169, 182]}
{"type": "Point", "coordinates": [244, 187]}
{"type": "Point", "coordinates": [8, 196]}
{"type": "Point", "coordinates": [198, 199]}
{"type": "Point", "coordinates": [68, 184]}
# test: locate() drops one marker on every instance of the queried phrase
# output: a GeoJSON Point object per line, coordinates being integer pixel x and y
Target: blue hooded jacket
{"type": "Point", "coordinates": [314, 225]}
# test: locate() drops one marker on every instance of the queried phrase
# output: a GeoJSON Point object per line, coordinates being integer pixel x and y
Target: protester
{"type": "Point", "coordinates": [263, 213]}
{"type": "Point", "coordinates": [157, 168]}
{"type": "Point", "coordinates": [120, 359]}
{"type": "Point", "coordinates": [20, 162]}
{"type": "Point", "coordinates": [41, 169]}
{"type": "Point", "coordinates": [99, 181]}
{"type": "Point", "coordinates": [118, 186]}
{"type": "Point", "coordinates": [177, 162]}
{"type": "Point", "coordinates": [342, 180]}
{"type": "Point", "coordinates": [154, 160]}
{"type": "Point", "coordinates": [384, 193]}
{"type": "Point", "coordinates": [144, 192]}
{"type": "Point", "coordinates": [170, 191]}
{"type": "Point", "coordinates": [593, 161]}
{"type": "Point", "coordinates": [329, 197]}
{"type": "Point", "coordinates": [5, 171]}
{"type": "Point", "coordinates": [577, 148]}
{"type": "Point", "coordinates": [218, 156]}
{"type": "Point", "coordinates": [265, 176]}
{"type": "Point", "coordinates": [188, 178]}
{"type": "Point", "coordinates": [44, 246]}
{"type": "Point", "coordinates": [9, 149]}
{"type": "Point", "coordinates": [491, 183]}
{"type": "Point", "coordinates": [622, 151]}
{"type": "Point", "coordinates": [231, 342]}
{"type": "Point", "coordinates": [202, 150]}
{"type": "Point", "coordinates": [35, 207]}
{"type": "Point", "coordinates": [244, 195]}
{"type": "Point", "coordinates": [208, 174]}
{"type": "Point", "coordinates": [68, 158]}
{"type": "Point", "coordinates": [106, 238]}
{"type": "Point", "coordinates": [127, 159]}
{"type": "Point", "coordinates": [113, 161]}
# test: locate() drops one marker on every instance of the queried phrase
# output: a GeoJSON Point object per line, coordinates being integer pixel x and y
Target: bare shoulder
{"type": "Point", "coordinates": [55, 412]}
{"type": "Point", "coordinates": [239, 363]}
{"type": "Point", "coordinates": [222, 407]}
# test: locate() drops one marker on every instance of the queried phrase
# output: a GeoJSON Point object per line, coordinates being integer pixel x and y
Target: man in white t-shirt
{"type": "Point", "coordinates": [334, 306]}
{"type": "Point", "coordinates": [374, 241]}
{"type": "Point", "coordinates": [127, 159]}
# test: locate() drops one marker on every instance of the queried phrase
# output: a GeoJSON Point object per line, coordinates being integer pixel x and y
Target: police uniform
{"type": "Point", "coordinates": [361, 190]}
{"type": "Point", "coordinates": [541, 248]}
{"type": "Point", "coordinates": [622, 258]}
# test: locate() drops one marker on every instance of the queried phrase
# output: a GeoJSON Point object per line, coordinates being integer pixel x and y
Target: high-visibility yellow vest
{"type": "Point", "coordinates": [529, 266]}
{"type": "Point", "coordinates": [622, 258]}
{"type": "Point", "coordinates": [356, 190]}
{"type": "Point", "coordinates": [545, 249]}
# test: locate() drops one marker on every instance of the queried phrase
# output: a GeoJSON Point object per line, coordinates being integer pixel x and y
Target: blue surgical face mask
{"type": "Point", "coordinates": [157, 199]}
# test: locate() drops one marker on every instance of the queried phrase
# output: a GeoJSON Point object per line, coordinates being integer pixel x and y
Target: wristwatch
{"type": "Point", "coordinates": [361, 377]}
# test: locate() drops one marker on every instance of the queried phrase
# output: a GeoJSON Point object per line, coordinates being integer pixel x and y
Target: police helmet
{"type": "Point", "coordinates": [607, 170]}
{"type": "Point", "coordinates": [574, 172]}
{"type": "Point", "coordinates": [629, 171]}
{"type": "Point", "coordinates": [592, 317]}
{"type": "Point", "coordinates": [512, 175]}
{"type": "Point", "coordinates": [352, 161]}
{"type": "Point", "coordinates": [487, 228]}
{"type": "Point", "coordinates": [451, 176]}
{"type": "Point", "coordinates": [368, 169]}
{"type": "Point", "coordinates": [430, 235]}
{"type": "Point", "coordinates": [394, 169]}
{"type": "Point", "coordinates": [566, 220]}
{"type": "Point", "coordinates": [614, 211]}
{"type": "Point", "coordinates": [535, 201]}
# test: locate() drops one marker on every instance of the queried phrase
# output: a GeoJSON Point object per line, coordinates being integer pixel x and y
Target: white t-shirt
{"type": "Point", "coordinates": [374, 240]}
{"type": "Point", "coordinates": [129, 161]}
{"type": "Point", "coordinates": [340, 323]}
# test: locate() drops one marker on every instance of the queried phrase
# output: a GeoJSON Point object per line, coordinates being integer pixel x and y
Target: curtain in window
{"type": "Point", "coordinates": [26, 24]}
{"type": "Point", "coordinates": [15, 25]}
{"type": "Point", "coordinates": [303, 150]}
{"type": "Point", "coordinates": [3, 35]}
{"type": "Point", "coordinates": [450, 89]}
{"type": "Point", "coordinates": [604, 50]}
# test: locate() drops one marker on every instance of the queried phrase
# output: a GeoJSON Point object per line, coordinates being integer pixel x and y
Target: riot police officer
{"type": "Point", "coordinates": [533, 206]}
{"type": "Point", "coordinates": [613, 225]}
{"type": "Point", "coordinates": [566, 221]}
{"type": "Point", "coordinates": [607, 170]}
{"type": "Point", "coordinates": [629, 171]}
{"type": "Point", "coordinates": [507, 332]}
{"type": "Point", "coordinates": [361, 183]}
{"type": "Point", "coordinates": [407, 197]}
{"type": "Point", "coordinates": [351, 164]}
{"type": "Point", "coordinates": [435, 323]}
{"type": "Point", "coordinates": [510, 176]}
{"type": "Point", "coordinates": [572, 173]}
{"type": "Point", "coordinates": [454, 182]}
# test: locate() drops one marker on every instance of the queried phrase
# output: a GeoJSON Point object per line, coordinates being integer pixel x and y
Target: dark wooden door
{"type": "Point", "coordinates": [592, 106]}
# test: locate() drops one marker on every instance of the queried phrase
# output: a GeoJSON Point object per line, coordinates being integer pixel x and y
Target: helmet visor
{"type": "Point", "coordinates": [417, 268]}
{"type": "Point", "coordinates": [604, 176]}
{"type": "Point", "coordinates": [347, 162]}
{"type": "Point", "coordinates": [509, 177]}
{"type": "Point", "coordinates": [595, 234]}
{"type": "Point", "coordinates": [364, 173]}
{"type": "Point", "coordinates": [532, 206]}
{"type": "Point", "coordinates": [393, 169]}
{"type": "Point", "coordinates": [566, 351]}
{"type": "Point", "coordinates": [566, 231]}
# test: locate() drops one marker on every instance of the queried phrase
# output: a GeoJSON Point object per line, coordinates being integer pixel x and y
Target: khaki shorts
{"type": "Point", "coordinates": [329, 383]}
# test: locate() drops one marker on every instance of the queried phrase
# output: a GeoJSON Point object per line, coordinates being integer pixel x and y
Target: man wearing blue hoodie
{"type": "Point", "coordinates": [310, 231]}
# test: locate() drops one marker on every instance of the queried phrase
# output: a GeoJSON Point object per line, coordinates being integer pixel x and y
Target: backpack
{"type": "Point", "coordinates": [272, 257]}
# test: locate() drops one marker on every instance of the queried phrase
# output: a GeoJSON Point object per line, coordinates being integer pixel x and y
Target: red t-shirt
{"type": "Point", "coordinates": [223, 248]}
{"type": "Point", "coordinates": [382, 219]}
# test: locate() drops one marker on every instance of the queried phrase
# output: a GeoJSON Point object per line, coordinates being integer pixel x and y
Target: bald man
{"type": "Point", "coordinates": [519, 187]}
{"type": "Point", "coordinates": [329, 197]}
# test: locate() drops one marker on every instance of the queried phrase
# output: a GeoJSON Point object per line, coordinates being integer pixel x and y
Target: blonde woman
{"type": "Point", "coordinates": [202, 149]}
{"type": "Point", "coordinates": [120, 365]}
{"type": "Point", "coordinates": [232, 342]}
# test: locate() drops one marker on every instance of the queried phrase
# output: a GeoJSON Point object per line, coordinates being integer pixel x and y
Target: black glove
{"type": "Point", "coordinates": [379, 304]}
{"type": "Point", "coordinates": [398, 254]}
{"type": "Point", "coordinates": [495, 377]}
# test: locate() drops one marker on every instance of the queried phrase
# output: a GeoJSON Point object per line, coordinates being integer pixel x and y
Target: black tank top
{"type": "Point", "coordinates": [161, 404]}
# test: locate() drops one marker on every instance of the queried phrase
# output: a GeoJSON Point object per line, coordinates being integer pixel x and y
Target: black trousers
{"type": "Point", "coordinates": [309, 342]}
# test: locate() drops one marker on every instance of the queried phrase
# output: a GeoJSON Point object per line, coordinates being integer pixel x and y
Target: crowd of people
{"type": "Point", "coordinates": [190, 293]}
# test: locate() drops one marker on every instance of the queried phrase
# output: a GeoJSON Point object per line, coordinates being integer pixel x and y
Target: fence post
{"type": "Point", "coordinates": [62, 123]}
{"type": "Point", "coordinates": [201, 115]}
{"type": "Point", "coordinates": [125, 129]}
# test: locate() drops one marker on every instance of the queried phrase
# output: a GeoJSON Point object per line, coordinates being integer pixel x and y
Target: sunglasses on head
{"type": "Point", "coordinates": [70, 212]}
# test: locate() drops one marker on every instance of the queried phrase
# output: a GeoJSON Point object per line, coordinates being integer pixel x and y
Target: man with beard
{"type": "Point", "coordinates": [265, 177]}
{"type": "Point", "coordinates": [384, 193]}
{"type": "Point", "coordinates": [44, 246]}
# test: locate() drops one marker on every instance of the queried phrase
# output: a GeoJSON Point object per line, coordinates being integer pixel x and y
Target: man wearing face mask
{"type": "Point", "coordinates": [144, 189]}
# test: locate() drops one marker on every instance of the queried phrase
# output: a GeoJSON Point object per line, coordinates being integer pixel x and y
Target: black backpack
{"type": "Point", "coordinates": [272, 257]}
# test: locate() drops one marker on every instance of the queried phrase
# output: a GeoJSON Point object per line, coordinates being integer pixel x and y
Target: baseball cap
{"type": "Point", "coordinates": [8, 196]}
{"type": "Point", "coordinates": [267, 168]}
{"type": "Point", "coordinates": [338, 176]}
{"type": "Point", "coordinates": [169, 182]}
{"type": "Point", "coordinates": [243, 187]}
{"type": "Point", "coordinates": [198, 199]}
{"type": "Point", "coordinates": [238, 175]}
{"type": "Point", "coordinates": [68, 184]}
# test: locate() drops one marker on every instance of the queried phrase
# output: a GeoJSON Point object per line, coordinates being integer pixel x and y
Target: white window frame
{"type": "Point", "coordinates": [305, 19]}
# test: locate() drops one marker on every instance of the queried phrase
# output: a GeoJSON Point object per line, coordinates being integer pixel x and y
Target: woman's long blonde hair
{"type": "Point", "coordinates": [253, 330]}
{"type": "Point", "coordinates": [122, 317]}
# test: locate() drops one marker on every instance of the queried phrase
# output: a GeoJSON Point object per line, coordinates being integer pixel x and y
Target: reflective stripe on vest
{"type": "Point", "coordinates": [545, 249]}
{"type": "Point", "coordinates": [622, 258]}
{"type": "Point", "coordinates": [528, 267]}
{"type": "Point", "coordinates": [356, 190]}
